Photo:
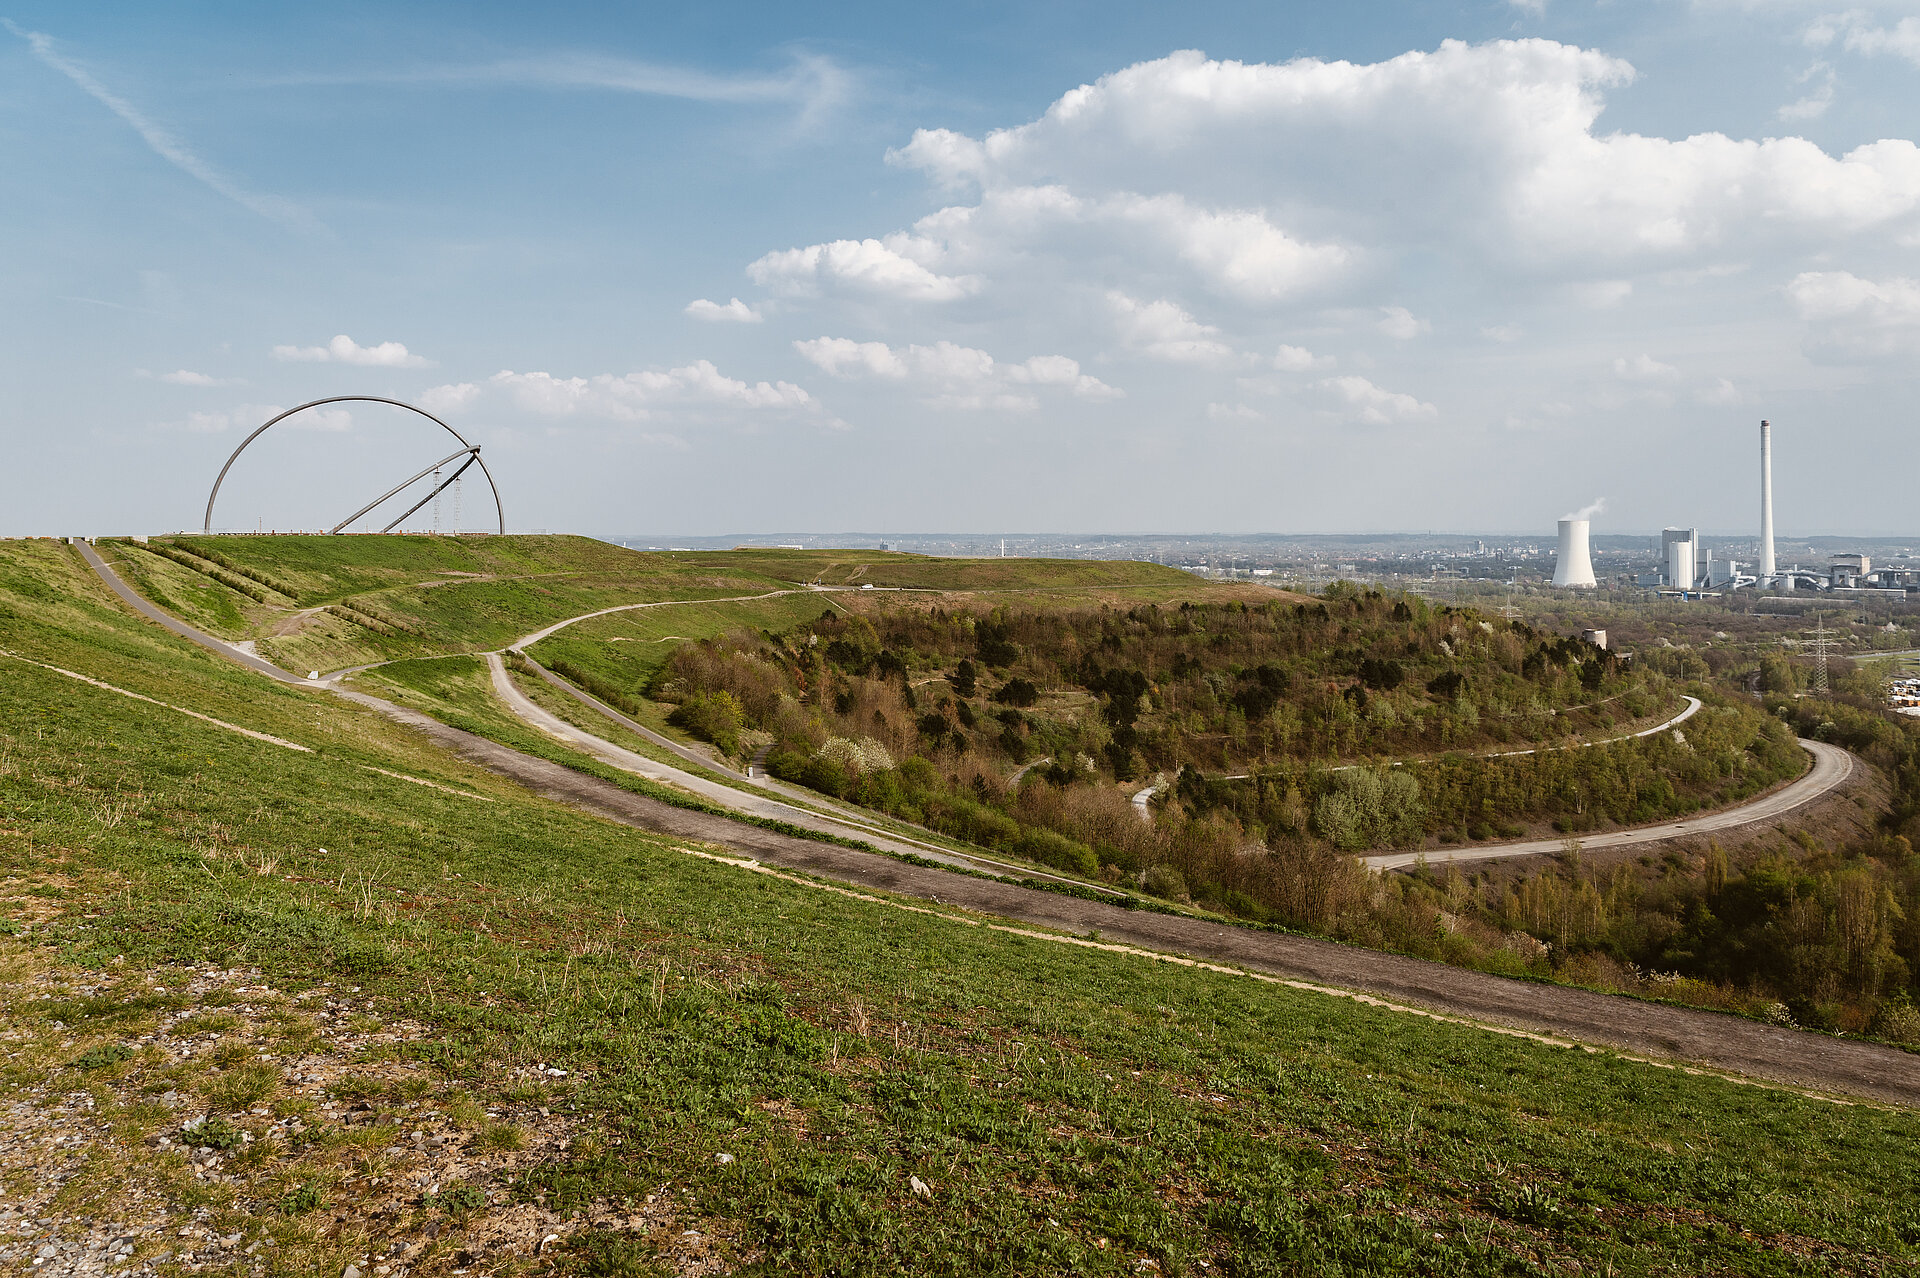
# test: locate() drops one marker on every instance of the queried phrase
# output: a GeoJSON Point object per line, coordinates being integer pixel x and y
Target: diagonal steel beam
{"type": "Point", "coordinates": [397, 487]}
{"type": "Point", "coordinates": [438, 489]}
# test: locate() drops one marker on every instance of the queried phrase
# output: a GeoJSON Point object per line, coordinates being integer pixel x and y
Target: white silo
{"type": "Point", "coordinates": [1573, 566]}
{"type": "Point", "coordinates": [1677, 548]}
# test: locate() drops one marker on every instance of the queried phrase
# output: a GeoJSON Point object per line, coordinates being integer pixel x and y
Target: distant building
{"type": "Point", "coordinates": [1847, 570]}
{"type": "Point", "coordinates": [1598, 638]}
{"type": "Point", "coordinates": [1676, 552]}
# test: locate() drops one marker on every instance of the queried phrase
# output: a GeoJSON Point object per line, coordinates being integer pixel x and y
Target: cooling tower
{"type": "Point", "coordinates": [1767, 570]}
{"type": "Point", "coordinates": [1573, 566]}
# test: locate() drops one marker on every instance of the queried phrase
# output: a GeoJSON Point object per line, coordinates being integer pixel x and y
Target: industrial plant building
{"type": "Point", "coordinates": [1688, 566]}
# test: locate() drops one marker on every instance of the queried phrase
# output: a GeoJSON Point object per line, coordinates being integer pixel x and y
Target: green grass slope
{"type": "Point", "coordinates": [926, 572]}
{"type": "Point", "coordinates": [1067, 1110]}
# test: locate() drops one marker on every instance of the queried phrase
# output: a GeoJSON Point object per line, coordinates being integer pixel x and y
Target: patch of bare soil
{"type": "Point", "coordinates": [293, 623]}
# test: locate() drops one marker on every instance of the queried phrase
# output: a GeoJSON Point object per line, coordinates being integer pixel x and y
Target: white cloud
{"type": "Point", "coordinates": [186, 377]}
{"type": "Point", "coordinates": [1237, 251]}
{"type": "Point", "coordinates": [248, 416]}
{"type": "Point", "coordinates": [449, 399]}
{"type": "Point", "coordinates": [734, 312]}
{"type": "Point", "coordinates": [638, 396]}
{"type": "Point", "coordinates": [1851, 317]}
{"type": "Point", "coordinates": [1501, 333]}
{"type": "Point", "coordinates": [1233, 413]}
{"type": "Point", "coordinates": [843, 357]}
{"type": "Point", "coordinates": [954, 376]}
{"type": "Point", "coordinates": [814, 83]}
{"type": "Point", "coordinates": [344, 350]}
{"type": "Point", "coordinates": [1720, 393]}
{"type": "Point", "coordinates": [1502, 136]}
{"type": "Point", "coordinates": [1902, 40]}
{"type": "Point", "coordinates": [1298, 359]}
{"type": "Point", "coordinates": [1166, 331]}
{"type": "Point", "coordinates": [858, 266]}
{"type": "Point", "coordinates": [1362, 401]}
{"type": "Point", "coordinates": [1643, 368]}
{"type": "Point", "coordinates": [245, 416]}
{"type": "Point", "coordinates": [1400, 324]}
{"type": "Point", "coordinates": [1813, 104]}
{"type": "Point", "coordinates": [332, 420]}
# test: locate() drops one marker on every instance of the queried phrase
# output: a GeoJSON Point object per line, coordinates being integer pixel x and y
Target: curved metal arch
{"type": "Point", "coordinates": [498, 509]}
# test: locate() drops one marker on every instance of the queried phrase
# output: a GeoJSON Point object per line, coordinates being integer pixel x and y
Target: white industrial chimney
{"type": "Point", "coordinates": [1767, 570]}
{"type": "Point", "coordinates": [1573, 566]}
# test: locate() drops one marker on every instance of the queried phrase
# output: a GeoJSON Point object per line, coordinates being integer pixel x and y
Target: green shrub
{"type": "Point", "coordinates": [711, 716]}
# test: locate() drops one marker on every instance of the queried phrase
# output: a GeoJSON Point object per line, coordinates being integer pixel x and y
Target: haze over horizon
{"type": "Point", "coordinates": [1243, 268]}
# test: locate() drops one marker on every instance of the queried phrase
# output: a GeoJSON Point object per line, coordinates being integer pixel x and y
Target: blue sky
{"type": "Point", "coordinates": [745, 268]}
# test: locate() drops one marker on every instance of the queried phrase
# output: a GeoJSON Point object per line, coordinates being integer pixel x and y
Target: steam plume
{"type": "Point", "coordinates": [1598, 505]}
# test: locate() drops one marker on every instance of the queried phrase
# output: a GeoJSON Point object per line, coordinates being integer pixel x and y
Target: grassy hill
{"type": "Point", "coordinates": [316, 602]}
{"type": "Point", "coordinates": [616, 1039]}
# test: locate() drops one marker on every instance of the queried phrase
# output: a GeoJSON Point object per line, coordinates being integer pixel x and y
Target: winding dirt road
{"type": "Point", "coordinates": [1721, 1042]}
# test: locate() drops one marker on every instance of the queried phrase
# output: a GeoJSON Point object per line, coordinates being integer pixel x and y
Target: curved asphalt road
{"type": "Point", "coordinates": [1723, 1042]}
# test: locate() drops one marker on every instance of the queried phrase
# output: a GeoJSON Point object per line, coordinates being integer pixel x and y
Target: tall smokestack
{"type": "Point", "coordinates": [1573, 566]}
{"type": "Point", "coordinates": [1767, 570]}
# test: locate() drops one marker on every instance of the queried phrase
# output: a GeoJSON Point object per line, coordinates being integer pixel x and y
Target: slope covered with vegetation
{"type": "Point", "coordinates": [934, 714]}
{"type": "Point", "coordinates": [807, 1080]}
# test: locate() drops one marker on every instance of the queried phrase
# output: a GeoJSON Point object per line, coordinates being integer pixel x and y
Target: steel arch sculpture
{"type": "Point", "coordinates": [470, 451]}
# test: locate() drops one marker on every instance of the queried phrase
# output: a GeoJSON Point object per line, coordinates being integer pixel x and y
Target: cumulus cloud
{"type": "Point", "coordinates": [1851, 317]}
{"type": "Point", "coordinates": [1502, 135]}
{"type": "Point", "coordinates": [186, 377]}
{"type": "Point", "coordinates": [734, 312]}
{"type": "Point", "coordinates": [1813, 104]}
{"type": "Point", "coordinates": [245, 416]}
{"type": "Point", "coordinates": [1902, 40]}
{"type": "Point", "coordinates": [953, 375]}
{"type": "Point", "coordinates": [1720, 393]}
{"type": "Point", "coordinates": [1643, 368]}
{"type": "Point", "coordinates": [639, 396]}
{"type": "Point", "coordinates": [1360, 400]}
{"type": "Point", "coordinates": [449, 399]}
{"type": "Point", "coordinates": [1196, 211]}
{"type": "Point", "coordinates": [844, 357]}
{"type": "Point", "coordinates": [1164, 330]}
{"type": "Point", "coordinates": [344, 350]}
{"type": "Point", "coordinates": [861, 267]}
{"type": "Point", "coordinates": [1298, 359]}
{"type": "Point", "coordinates": [1400, 324]}
{"type": "Point", "coordinates": [1233, 413]}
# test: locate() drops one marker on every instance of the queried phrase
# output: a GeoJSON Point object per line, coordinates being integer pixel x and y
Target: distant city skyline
{"type": "Point", "coordinates": [1249, 267]}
